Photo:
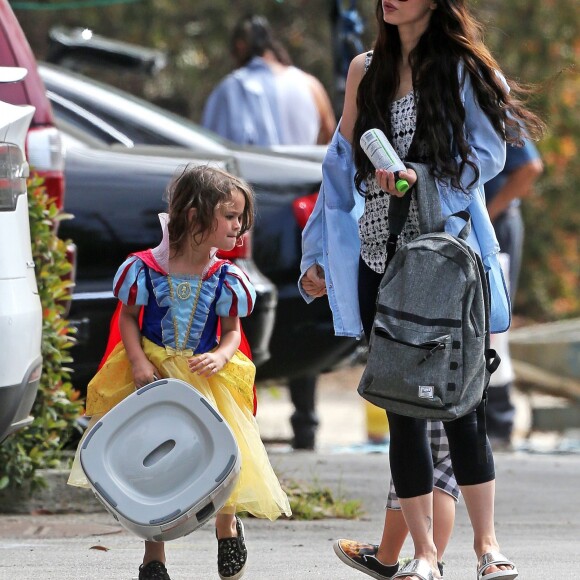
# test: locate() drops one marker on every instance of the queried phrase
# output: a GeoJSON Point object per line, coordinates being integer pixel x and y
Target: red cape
{"type": "Point", "coordinates": [115, 334]}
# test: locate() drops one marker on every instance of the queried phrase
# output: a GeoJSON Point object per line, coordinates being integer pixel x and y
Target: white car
{"type": "Point", "coordinates": [20, 307]}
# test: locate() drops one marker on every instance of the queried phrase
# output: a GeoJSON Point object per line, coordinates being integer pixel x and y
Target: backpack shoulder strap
{"type": "Point", "coordinates": [428, 205]}
{"type": "Point", "coordinates": [428, 201]}
{"type": "Point", "coordinates": [492, 361]}
{"type": "Point", "coordinates": [398, 212]}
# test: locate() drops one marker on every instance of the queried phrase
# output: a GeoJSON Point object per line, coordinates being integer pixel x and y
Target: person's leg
{"type": "Point", "coordinates": [412, 471]}
{"type": "Point", "coordinates": [154, 552]}
{"type": "Point", "coordinates": [225, 525]}
{"type": "Point", "coordinates": [500, 414]}
{"type": "Point", "coordinates": [445, 491]}
{"type": "Point", "coordinates": [394, 535]}
{"type": "Point", "coordinates": [477, 482]}
{"type": "Point", "coordinates": [418, 513]}
{"type": "Point", "coordinates": [479, 501]}
{"type": "Point", "coordinates": [395, 528]}
{"type": "Point", "coordinates": [443, 520]}
{"type": "Point", "coordinates": [232, 552]}
{"type": "Point", "coordinates": [153, 566]}
{"type": "Point", "coordinates": [304, 420]}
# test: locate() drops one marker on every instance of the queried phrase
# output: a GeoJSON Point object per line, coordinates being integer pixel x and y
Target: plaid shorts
{"type": "Point", "coordinates": [443, 476]}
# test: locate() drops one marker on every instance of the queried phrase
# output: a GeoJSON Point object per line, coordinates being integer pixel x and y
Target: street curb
{"type": "Point", "coordinates": [57, 497]}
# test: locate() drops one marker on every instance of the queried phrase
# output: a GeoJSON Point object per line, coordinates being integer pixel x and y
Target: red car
{"type": "Point", "coordinates": [21, 312]}
{"type": "Point", "coordinates": [43, 146]}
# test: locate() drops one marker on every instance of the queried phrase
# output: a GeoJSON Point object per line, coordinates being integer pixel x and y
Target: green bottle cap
{"type": "Point", "coordinates": [402, 185]}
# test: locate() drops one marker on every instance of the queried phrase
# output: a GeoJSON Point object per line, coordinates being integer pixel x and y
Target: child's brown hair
{"type": "Point", "coordinates": [204, 189]}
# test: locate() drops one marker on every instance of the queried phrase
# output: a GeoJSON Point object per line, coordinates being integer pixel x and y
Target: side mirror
{"type": "Point", "coordinates": [12, 74]}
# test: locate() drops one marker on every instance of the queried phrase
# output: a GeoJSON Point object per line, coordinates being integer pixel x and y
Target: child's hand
{"type": "Point", "coordinates": [207, 364]}
{"type": "Point", "coordinates": [144, 373]}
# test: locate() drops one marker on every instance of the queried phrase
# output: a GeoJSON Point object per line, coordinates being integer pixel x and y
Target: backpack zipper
{"type": "Point", "coordinates": [432, 345]}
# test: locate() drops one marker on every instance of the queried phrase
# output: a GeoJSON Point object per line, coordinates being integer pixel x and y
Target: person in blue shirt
{"type": "Point", "coordinates": [267, 101]}
{"type": "Point", "coordinates": [503, 195]}
{"type": "Point", "coordinates": [435, 90]}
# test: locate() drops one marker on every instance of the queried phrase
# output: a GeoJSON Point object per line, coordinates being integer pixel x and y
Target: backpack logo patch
{"type": "Point", "coordinates": [426, 391]}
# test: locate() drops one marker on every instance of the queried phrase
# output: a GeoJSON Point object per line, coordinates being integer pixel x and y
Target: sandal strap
{"type": "Point", "coordinates": [493, 559]}
{"type": "Point", "coordinates": [419, 568]}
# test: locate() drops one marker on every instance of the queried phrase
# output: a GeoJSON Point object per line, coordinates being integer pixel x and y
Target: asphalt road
{"type": "Point", "coordinates": [537, 511]}
{"type": "Point", "coordinates": [537, 514]}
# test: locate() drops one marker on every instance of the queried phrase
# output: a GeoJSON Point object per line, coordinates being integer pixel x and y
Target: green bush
{"type": "Point", "coordinates": [57, 404]}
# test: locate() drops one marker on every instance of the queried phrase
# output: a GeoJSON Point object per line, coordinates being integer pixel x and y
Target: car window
{"type": "Point", "coordinates": [94, 126]}
{"type": "Point", "coordinates": [138, 134]}
{"type": "Point", "coordinates": [139, 120]}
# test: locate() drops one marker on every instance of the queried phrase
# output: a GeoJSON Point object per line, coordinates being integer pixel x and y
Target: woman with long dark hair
{"type": "Point", "coordinates": [435, 90]}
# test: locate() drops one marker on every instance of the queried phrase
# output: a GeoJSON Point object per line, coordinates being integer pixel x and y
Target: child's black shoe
{"type": "Point", "coordinates": [233, 555]}
{"type": "Point", "coordinates": [153, 570]}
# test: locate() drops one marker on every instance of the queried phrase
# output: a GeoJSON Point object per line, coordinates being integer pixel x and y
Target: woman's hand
{"type": "Point", "coordinates": [207, 364]}
{"type": "Point", "coordinates": [144, 373]}
{"type": "Point", "coordinates": [386, 180]}
{"type": "Point", "coordinates": [313, 281]}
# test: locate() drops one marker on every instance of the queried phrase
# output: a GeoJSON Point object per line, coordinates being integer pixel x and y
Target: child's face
{"type": "Point", "coordinates": [228, 222]}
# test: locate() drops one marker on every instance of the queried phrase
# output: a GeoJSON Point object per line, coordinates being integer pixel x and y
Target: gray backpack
{"type": "Point", "coordinates": [429, 354]}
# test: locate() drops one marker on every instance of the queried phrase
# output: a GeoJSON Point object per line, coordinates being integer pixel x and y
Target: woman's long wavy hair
{"type": "Point", "coordinates": [453, 35]}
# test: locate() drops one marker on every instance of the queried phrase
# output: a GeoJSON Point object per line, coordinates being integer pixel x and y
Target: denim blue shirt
{"type": "Point", "coordinates": [244, 106]}
{"type": "Point", "coordinates": [331, 239]}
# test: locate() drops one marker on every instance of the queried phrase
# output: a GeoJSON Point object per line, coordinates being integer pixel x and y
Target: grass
{"type": "Point", "coordinates": [313, 502]}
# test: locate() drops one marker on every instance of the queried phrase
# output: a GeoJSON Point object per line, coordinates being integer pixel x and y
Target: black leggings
{"type": "Point", "coordinates": [410, 453]}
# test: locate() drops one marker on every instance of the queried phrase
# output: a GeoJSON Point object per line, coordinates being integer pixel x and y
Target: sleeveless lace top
{"type": "Point", "coordinates": [374, 223]}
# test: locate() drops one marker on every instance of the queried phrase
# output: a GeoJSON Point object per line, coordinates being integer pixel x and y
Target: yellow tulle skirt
{"type": "Point", "coordinates": [258, 490]}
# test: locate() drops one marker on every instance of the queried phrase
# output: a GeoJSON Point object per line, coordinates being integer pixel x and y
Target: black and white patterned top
{"type": "Point", "coordinates": [374, 223]}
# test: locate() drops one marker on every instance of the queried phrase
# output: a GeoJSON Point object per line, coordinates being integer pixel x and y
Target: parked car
{"type": "Point", "coordinates": [70, 46]}
{"type": "Point", "coordinates": [286, 186]}
{"type": "Point", "coordinates": [28, 131]}
{"type": "Point", "coordinates": [43, 146]}
{"type": "Point", "coordinates": [20, 308]}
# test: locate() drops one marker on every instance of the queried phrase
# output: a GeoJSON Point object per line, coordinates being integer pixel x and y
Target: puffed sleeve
{"type": "Point", "coordinates": [238, 295]}
{"type": "Point", "coordinates": [129, 285]}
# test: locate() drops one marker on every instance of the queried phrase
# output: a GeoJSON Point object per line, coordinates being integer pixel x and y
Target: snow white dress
{"type": "Point", "coordinates": [180, 321]}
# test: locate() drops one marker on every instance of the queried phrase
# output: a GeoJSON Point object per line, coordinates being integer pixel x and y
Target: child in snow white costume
{"type": "Point", "coordinates": [176, 299]}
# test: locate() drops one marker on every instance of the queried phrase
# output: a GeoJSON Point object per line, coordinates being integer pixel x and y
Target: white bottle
{"type": "Point", "coordinates": [382, 155]}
